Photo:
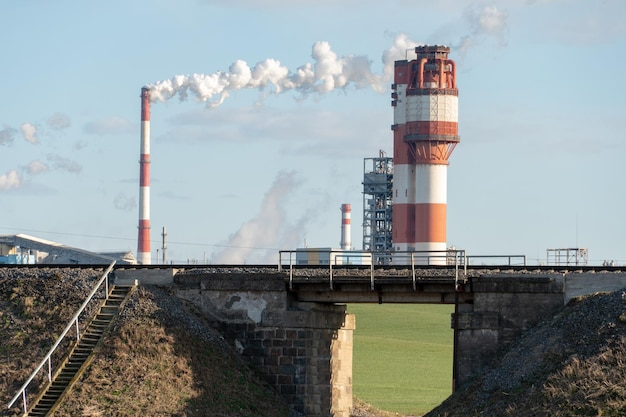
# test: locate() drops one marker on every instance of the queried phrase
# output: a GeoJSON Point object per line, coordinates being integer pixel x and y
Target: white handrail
{"type": "Point", "coordinates": [22, 390]}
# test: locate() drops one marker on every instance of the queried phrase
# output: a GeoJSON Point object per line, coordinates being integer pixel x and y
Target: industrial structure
{"type": "Point", "coordinates": [346, 239]}
{"type": "Point", "coordinates": [567, 256]}
{"type": "Point", "coordinates": [377, 207]}
{"type": "Point", "coordinates": [24, 249]}
{"type": "Point", "coordinates": [345, 255]}
{"type": "Point", "coordinates": [425, 132]}
{"type": "Point", "coordinates": [143, 240]}
{"type": "Point", "coordinates": [404, 197]}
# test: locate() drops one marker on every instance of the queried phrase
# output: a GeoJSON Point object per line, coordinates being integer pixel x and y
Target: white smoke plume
{"type": "Point", "coordinates": [11, 179]}
{"type": "Point", "coordinates": [7, 135]}
{"type": "Point", "coordinates": [30, 131]}
{"type": "Point", "coordinates": [328, 72]}
{"type": "Point", "coordinates": [402, 48]}
{"type": "Point", "coordinates": [484, 21]}
{"type": "Point", "coordinates": [269, 229]}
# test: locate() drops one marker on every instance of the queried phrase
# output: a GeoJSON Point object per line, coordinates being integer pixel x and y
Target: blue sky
{"type": "Point", "coordinates": [541, 119]}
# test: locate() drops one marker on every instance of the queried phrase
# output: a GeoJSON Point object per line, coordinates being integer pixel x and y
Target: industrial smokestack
{"type": "Point", "coordinates": [346, 241]}
{"type": "Point", "coordinates": [143, 240]}
{"type": "Point", "coordinates": [425, 132]}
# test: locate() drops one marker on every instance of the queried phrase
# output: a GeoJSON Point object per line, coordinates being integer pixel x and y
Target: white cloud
{"type": "Point", "coordinates": [30, 131]}
{"type": "Point", "coordinates": [59, 121]}
{"type": "Point", "coordinates": [37, 167]}
{"type": "Point", "coordinates": [7, 135]}
{"type": "Point", "coordinates": [64, 164]}
{"type": "Point", "coordinates": [110, 126]}
{"type": "Point", "coordinates": [10, 180]}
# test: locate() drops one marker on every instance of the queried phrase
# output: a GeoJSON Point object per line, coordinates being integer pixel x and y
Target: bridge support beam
{"type": "Point", "coordinates": [302, 349]}
{"type": "Point", "coordinates": [503, 307]}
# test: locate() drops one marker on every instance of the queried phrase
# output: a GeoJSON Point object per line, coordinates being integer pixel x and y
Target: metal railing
{"type": "Point", "coordinates": [496, 260]}
{"type": "Point", "coordinates": [339, 258]}
{"type": "Point", "coordinates": [73, 322]}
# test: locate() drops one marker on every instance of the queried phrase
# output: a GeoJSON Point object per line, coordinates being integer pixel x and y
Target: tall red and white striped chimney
{"type": "Point", "coordinates": [425, 132]}
{"type": "Point", "coordinates": [346, 213]}
{"type": "Point", "coordinates": [143, 240]}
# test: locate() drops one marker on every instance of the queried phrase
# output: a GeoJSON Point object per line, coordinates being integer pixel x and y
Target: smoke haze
{"type": "Point", "coordinates": [269, 229]}
{"type": "Point", "coordinates": [484, 21]}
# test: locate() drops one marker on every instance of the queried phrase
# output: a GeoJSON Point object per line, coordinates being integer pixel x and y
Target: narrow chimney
{"type": "Point", "coordinates": [346, 213]}
{"type": "Point", "coordinates": [143, 241]}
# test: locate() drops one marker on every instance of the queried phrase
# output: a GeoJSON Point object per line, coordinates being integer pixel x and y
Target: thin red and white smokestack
{"type": "Point", "coordinates": [143, 240]}
{"type": "Point", "coordinates": [346, 213]}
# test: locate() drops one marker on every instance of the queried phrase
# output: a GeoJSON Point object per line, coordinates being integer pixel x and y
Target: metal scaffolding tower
{"type": "Point", "coordinates": [567, 256]}
{"type": "Point", "coordinates": [377, 207]}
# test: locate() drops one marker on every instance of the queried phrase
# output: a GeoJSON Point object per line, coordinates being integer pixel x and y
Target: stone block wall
{"type": "Point", "coordinates": [503, 307]}
{"type": "Point", "coordinates": [304, 350]}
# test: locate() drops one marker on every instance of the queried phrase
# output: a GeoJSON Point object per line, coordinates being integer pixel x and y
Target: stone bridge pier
{"type": "Point", "coordinates": [301, 340]}
{"type": "Point", "coordinates": [500, 309]}
{"type": "Point", "coordinates": [302, 349]}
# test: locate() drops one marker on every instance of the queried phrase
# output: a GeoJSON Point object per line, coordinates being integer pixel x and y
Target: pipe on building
{"type": "Point", "coordinates": [452, 64]}
{"type": "Point", "coordinates": [420, 73]}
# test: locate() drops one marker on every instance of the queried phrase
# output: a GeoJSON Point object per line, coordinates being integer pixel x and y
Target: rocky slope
{"type": "Point", "coordinates": [573, 364]}
{"type": "Point", "coordinates": [162, 359]}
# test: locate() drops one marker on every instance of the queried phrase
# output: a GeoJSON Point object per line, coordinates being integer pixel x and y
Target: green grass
{"type": "Point", "coordinates": [402, 356]}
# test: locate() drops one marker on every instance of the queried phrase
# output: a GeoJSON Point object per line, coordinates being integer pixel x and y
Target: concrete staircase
{"type": "Point", "coordinates": [80, 356]}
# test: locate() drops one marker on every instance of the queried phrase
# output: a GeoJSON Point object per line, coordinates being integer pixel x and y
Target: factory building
{"type": "Point", "coordinates": [25, 249]}
{"type": "Point", "coordinates": [425, 132]}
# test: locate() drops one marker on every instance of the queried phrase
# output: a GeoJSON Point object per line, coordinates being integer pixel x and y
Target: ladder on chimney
{"type": "Point", "coordinates": [81, 355]}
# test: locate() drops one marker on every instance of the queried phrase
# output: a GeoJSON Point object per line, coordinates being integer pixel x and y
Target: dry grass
{"type": "Point", "coordinates": [150, 365]}
{"type": "Point", "coordinates": [153, 363]}
{"type": "Point", "coordinates": [592, 386]}
{"type": "Point", "coordinates": [580, 369]}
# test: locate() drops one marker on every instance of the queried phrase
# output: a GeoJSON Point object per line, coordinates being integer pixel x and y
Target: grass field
{"type": "Point", "coordinates": [402, 356]}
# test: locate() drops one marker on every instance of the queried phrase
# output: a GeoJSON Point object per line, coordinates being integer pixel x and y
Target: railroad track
{"type": "Point", "coordinates": [382, 268]}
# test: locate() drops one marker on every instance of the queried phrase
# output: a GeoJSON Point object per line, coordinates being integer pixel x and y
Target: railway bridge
{"type": "Point", "coordinates": [292, 325]}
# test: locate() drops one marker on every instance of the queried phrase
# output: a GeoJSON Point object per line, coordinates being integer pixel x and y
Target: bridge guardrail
{"type": "Point", "coordinates": [73, 322]}
{"type": "Point", "coordinates": [512, 260]}
{"type": "Point", "coordinates": [338, 258]}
